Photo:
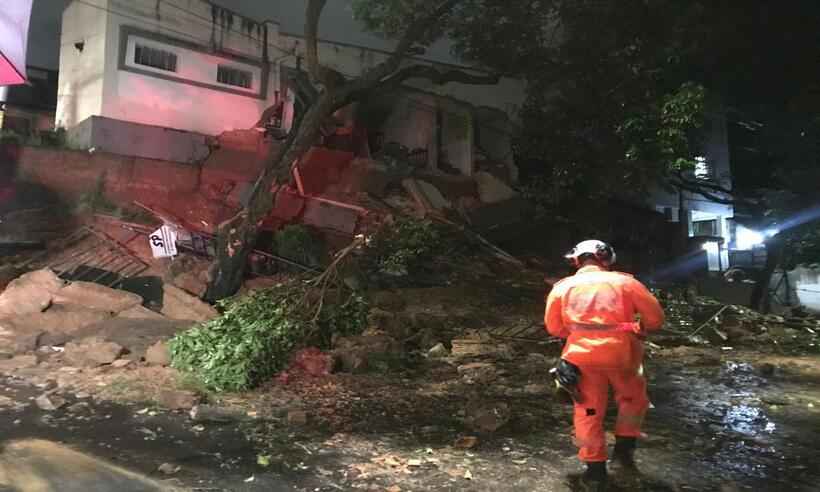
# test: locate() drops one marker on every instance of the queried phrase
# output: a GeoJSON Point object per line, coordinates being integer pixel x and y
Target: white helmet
{"type": "Point", "coordinates": [599, 250]}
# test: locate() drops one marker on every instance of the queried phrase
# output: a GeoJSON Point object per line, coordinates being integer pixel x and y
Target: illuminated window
{"type": "Point", "coordinates": [234, 76]}
{"type": "Point", "coordinates": [702, 168]}
{"type": "Point", "coordinates": [704, 228]}
{"type": "Point", "coordinates": [155, 58]}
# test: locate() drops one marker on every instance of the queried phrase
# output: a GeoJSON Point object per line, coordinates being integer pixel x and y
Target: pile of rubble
{"type": "Point", "coordinates": [87, 324]}
{"type": "Point", "coordinates": [708, 322]}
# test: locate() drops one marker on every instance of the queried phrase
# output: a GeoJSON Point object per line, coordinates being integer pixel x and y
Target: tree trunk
{"type": "Point", "coordinates": [236, 237]}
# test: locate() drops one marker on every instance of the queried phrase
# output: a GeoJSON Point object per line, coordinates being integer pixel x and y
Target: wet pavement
{"type": "Point", "coordinates": [720, 422]}
{"type": "Point", "coordinates": [110, 438]}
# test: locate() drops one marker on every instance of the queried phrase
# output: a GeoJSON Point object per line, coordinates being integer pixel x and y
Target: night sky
{"type": "Point", "coordinates": [337, 25]}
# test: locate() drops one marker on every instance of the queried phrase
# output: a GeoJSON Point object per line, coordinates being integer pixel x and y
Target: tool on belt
{"type": "Point", "coordinates": [567, 376]}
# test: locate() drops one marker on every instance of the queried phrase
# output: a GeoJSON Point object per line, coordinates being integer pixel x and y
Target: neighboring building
{"type": "Point", "coordinates": [29, 108]}
{"type": "Point", "coordinates": [178, 64]}
{"type": "Point", "coordinates": [706, 218]}
{"type": "Point", "coordinates": [130, 70]}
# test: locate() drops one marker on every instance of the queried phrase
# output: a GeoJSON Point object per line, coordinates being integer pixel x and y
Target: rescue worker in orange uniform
{"type": "Point", "coordinates": [604, 317]}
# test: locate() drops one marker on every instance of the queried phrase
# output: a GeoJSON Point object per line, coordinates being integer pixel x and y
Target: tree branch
{"type": "Point", "coordinates": [313, 12]}
{"type": "Point", "coordinates": [703, 184]}
{"type": "Point", "coordinates": [439, 77]}
{"type": "Point", "coordinates": [411, 36]}
{"type": "Point", "coordinates": [700, 191]}
{"type": "Point", "coordinates": [418, 72]}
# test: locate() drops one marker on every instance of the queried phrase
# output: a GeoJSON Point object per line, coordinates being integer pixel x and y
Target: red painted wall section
{"type": "Point", "coordinates": [200, 198]}
{"type": "Point", "coordinates": [322, 167]}
{"type": "Point", "coordinates": [73, 173]}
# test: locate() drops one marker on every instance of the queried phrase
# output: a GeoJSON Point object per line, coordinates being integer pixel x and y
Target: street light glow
{"type": "Point", "coordinates": [748, 239]}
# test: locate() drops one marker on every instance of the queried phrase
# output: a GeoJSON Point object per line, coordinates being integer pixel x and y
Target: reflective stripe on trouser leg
{"type": "Point", "coordinates": [630, 393]}
{"type": "Point", "coordinates": [589, 416]}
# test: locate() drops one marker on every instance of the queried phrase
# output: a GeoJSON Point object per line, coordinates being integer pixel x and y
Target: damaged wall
{"type": "Point", "coordinates": [412, 123]}
{"type": "Point", "coordinates": [351, 61]}
{"type": "Point", "coordinates": [70, 174]}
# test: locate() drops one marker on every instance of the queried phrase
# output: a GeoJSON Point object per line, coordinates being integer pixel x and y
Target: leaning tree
{"type": "Point", "coordinates": [414, 25]}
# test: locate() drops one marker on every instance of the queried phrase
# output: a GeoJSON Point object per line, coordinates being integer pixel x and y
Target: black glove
{"type": "Point", "coordinates": [568, 374]}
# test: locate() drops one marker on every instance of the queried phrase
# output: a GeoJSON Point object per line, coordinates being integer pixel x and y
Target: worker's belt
{"type": "Point", "coordinates": [632, 327]}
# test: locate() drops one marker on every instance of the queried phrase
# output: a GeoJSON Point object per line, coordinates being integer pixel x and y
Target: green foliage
{"type": "Point", "coordinates": [298, 243]}
{"type": "Point", "coordinates": [40, 138]}
{"type": "Point", "coordinates": [402, 247]}
{"type": "Point", "coordinates": [254, 336]}
{"type": "Point", "coordinates": [662, 132]}
{"type": "Point", "coordinates": [390, 18]}
{"type": "Point", "coordinates": [344, 319]}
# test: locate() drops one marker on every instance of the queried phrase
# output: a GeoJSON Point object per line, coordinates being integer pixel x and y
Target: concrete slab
{"type": "Point", "coordinates": [45, 466]}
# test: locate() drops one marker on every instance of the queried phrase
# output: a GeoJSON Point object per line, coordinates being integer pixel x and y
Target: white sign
{"type": "Point", "coordinates": [163, 242]}
{"type": "Point", "coordinates": [14, 20]}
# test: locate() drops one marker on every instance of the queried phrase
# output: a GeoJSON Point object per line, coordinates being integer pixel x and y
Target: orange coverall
{"type": "Point", "coordinates": [595, 310]}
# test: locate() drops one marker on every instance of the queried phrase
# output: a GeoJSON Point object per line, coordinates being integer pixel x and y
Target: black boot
{"type": "Point", "coordinates": [625, 470]}
{"type": "Point", "coordinates": [624, 454]}
{"type": "Point", "coordinates": [594, 478]}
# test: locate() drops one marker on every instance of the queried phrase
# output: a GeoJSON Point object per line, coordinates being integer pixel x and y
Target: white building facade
{"type": "Point", "coordinates": [192, 66]}
{"type": "Point", "coordinates": [179, 64]}
{"type": "Point", "coordinates": [705, 217]}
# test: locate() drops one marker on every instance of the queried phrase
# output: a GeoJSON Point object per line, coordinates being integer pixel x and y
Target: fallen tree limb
{"type": "Point", "coordinates": [701, 327]}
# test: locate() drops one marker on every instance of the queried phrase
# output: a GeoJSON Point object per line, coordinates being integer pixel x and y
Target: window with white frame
{"type": "Point", "coordinates": [234, 76]}
{"type": "Point", "coordinates": [155, 58]}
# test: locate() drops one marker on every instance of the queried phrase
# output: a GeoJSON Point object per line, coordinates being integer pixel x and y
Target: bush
{"type": "Point", "coordinates": [253, 338]}
{"type": "Point", "coordinates": [403, 247]}
{"type": "Point", "coordinates": [298, 243]}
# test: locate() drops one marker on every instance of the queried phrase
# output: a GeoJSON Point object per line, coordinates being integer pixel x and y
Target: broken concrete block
{"type": "Point", "coordinates": [96, 296]}
{"type": "Point", "coordinates": [16, 338]}
{"type": "Point", "coordinates": [141, 312]}
{"type": "Point", "coordinates": [426, 196]}
{"type": "Point", "coordinates": [192, 283]}
{"type": "Point", "coordinates": [56, 326]}
{"type": "Point", "coordinates": [135, 334]}
{"type": "Point", "coordinates": [433, 195]}
{"type": "Point", "coordinates": [189, 273]}
{"type": "Point", "coordinates": [179, 305]}
{"type": "Point", "coordinates": [49, 403]}
{"type": "Point", "coordinates": [492, 189]}
{"type": "Point", "coordinates": [366, 175]}
{"type": "Point", "coordinates": [287, 205]}
{"type": "Point", "coordinates": [68, 318]}
{"type": "Point", "coordinates": [158, 354]}
{"type": "Point", "coordinates": [332, 217]}
{"type": "Point", "coordinates": [32, 292]}
{"type": "Point", "coordinates": [438, 351]}
{"type": "Point", "coordinates": [92, 352]}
